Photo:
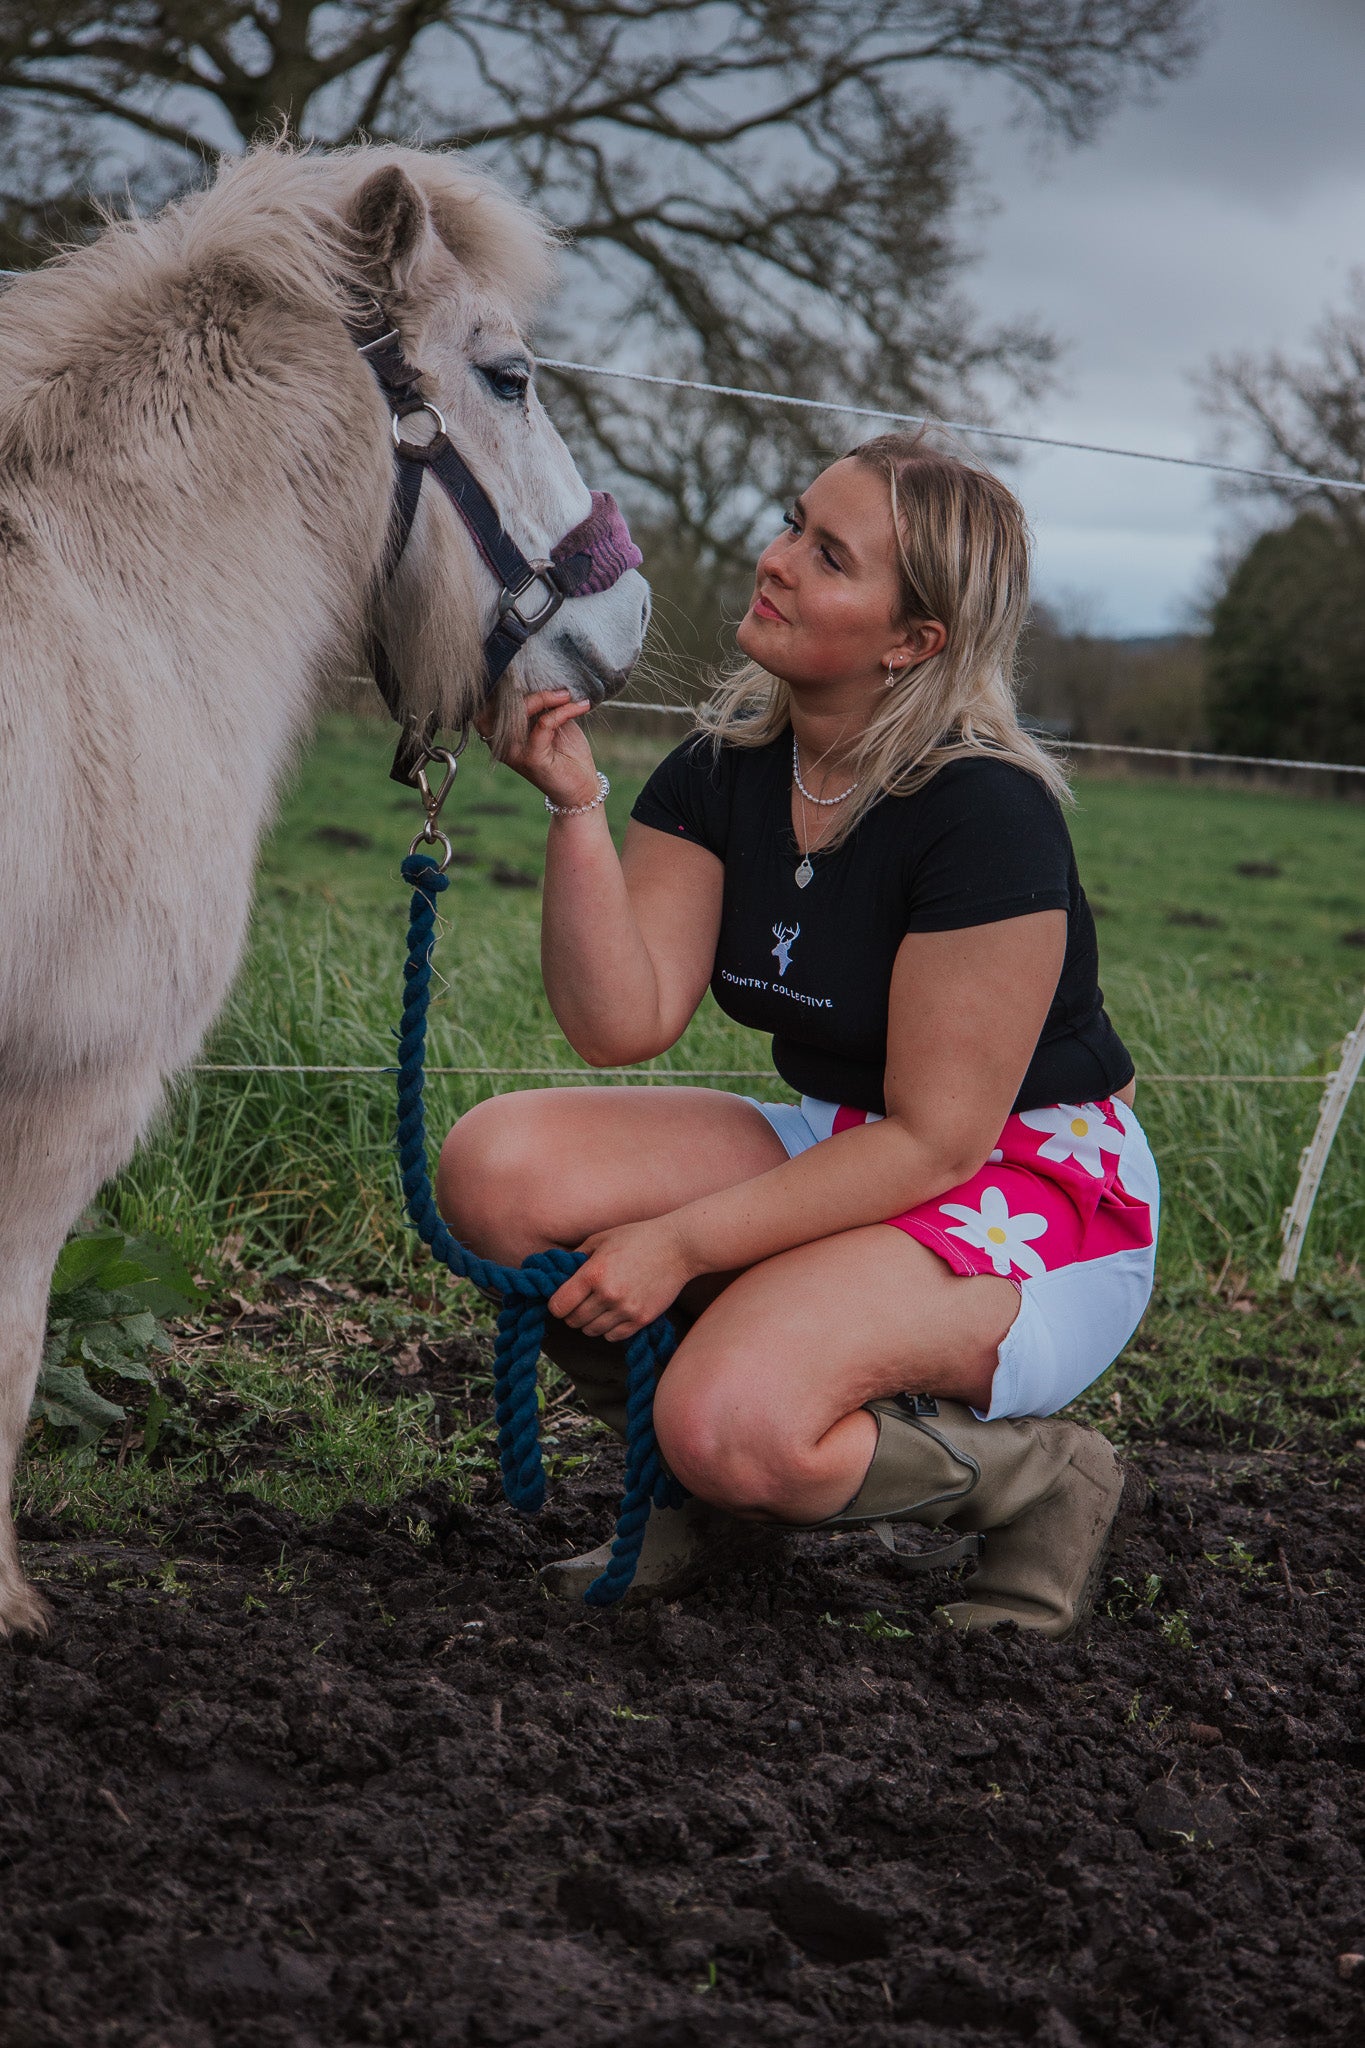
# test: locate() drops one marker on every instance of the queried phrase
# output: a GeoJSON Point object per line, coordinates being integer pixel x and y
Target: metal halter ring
{"type": "Point", "coordinates": [429, 836]}
{"type": "Point", "coordinates": [418, 449]}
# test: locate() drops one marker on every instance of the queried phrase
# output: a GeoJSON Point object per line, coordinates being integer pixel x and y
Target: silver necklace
{"type": "Point", "coordinates": [806, 872]}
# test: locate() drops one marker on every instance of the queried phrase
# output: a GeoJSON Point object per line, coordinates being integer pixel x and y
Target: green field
{"type": "Point", "coordinates": [281, 1187]}
{"type": "Point", "coordinates": [1207, 970]}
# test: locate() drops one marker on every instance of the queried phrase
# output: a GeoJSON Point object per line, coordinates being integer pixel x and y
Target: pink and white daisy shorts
{"type": "Point", "coordinates": [1066, 1207]}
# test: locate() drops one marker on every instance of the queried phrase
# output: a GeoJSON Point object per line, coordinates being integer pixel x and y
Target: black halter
{"type": "Point", "coordinates": [591, 558]}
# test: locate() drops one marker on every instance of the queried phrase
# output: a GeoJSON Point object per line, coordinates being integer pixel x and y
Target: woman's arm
{"type": "Point", "coordinates": [966, 1011]}
{"type": "Point", "coordinates": [627, 944]}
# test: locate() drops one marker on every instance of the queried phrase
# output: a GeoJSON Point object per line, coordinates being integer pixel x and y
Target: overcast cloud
{"type": "Point", "coordinates": [1226, 216]}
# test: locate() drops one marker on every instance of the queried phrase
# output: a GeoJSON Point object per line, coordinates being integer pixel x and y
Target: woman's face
{"type": "Point", "coordinates": [826, 590]}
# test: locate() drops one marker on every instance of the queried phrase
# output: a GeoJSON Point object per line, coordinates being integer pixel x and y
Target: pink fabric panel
{"type": "Point", "coordinates": [1049, 1196]}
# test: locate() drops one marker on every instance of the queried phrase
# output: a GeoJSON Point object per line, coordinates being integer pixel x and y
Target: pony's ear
{"type": "Point", "coordinates": [390, 219]}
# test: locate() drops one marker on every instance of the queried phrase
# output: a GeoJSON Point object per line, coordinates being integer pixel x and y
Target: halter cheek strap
{"type": "Point", "coordinates": [590, 559]}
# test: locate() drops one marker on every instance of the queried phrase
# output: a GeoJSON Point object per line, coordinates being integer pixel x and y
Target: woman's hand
{"type": "Point", "coordinates": [631, 1275]}
{"type": "Point", "coordinates": [553, 754]}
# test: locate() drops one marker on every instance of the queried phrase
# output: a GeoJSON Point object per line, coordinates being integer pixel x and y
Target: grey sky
{"type": "Point", "coordinates": [1226, 216]}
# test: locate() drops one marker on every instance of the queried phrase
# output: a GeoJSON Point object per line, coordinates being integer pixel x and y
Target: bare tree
{"type": "Point", "coordinates": [756, 191]}
{"type": "Point", "coordinates": [1305, 414]}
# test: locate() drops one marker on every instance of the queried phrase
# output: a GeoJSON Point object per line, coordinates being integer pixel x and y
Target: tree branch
{"type": "Point", "coordinates": [104, 103]}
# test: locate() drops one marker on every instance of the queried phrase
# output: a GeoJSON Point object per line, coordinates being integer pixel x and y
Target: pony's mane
{"type": "Point", "coordinates": [272, 227]}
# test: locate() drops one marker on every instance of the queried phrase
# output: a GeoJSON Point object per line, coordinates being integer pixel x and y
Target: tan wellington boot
{"type": "Point", "coordinates": [1035, 1500]}
{"type": "Point", "coordinates": [596, 1368]}
{"type": "Point", "coordinates": [683, 1547]}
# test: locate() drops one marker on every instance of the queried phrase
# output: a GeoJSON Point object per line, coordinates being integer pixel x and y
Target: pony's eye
{"type": "Point", "coordinates": [506, 381]}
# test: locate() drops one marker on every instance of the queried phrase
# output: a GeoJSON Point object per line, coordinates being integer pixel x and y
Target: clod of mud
{"type": "Point", "coordinates": [360, 1782]}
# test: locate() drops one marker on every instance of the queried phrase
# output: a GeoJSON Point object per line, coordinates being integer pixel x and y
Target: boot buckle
{"type": "Point", "coordinates": [916, 1405]}
{"type": "Point", "coordinates": [967, 1547]}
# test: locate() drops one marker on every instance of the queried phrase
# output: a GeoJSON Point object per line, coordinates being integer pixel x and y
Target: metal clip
{"type": "Point", "coordinates": [433, 799]}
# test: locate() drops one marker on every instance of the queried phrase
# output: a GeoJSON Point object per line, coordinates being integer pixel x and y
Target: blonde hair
{"type": "Point", "coordinates": [962, 545]}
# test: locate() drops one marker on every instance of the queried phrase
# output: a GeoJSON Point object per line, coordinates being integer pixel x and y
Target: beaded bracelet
{"type": "Point", "coordinates": [577, 810]}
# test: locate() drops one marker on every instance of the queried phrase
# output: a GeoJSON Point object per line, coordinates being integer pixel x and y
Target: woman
{"type": "Point", "coordinates": [865, 855]}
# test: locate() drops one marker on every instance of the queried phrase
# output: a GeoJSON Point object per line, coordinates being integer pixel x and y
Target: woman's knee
{"type": "Point", "coordinates": [489, 1178]}
{"type": "Point", "coordinates": [746, 1464]}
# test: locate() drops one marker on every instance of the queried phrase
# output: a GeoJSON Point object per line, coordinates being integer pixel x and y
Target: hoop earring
{"type": "Point", "coordinates": [892, 677]}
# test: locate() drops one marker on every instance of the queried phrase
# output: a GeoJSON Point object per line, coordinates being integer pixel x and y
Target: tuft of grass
{"type": "Point", "coordinates": [300, 1421]}
{"type": "Point", "coordinates": [1234, 1362]}
{"type": "Point", "coordinates": [878, 1629]}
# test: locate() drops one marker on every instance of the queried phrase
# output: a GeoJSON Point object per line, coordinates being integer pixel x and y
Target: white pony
{"type": "Point", "coordinates": [196, 478]}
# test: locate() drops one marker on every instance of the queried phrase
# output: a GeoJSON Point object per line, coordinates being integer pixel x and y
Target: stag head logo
{"type": "Point", "coordinates": [786, 936]}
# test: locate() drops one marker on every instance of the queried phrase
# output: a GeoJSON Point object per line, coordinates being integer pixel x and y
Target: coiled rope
{"type": "Point", "coordinates": [523, 1290]}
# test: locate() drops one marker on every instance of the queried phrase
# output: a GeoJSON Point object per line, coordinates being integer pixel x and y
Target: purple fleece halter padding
{"type": "Point", "coordinates": [599, 552]}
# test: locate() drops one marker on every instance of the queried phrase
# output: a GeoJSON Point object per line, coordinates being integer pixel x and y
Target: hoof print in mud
{"type": "Point", "coordinates": [825, 1918]}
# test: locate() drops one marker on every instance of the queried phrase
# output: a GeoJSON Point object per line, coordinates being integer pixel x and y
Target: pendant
{"type": "Point", "coordinates": [805, 873]}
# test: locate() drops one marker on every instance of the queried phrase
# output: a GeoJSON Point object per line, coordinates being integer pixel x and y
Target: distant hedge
{"type": "Point", "coordinates": [1286, 656]}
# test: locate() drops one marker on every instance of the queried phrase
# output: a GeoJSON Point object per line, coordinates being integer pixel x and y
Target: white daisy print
{"type": "Point", "coordinates": [992, 1229]}
{"type": "Point", "coordinates": [1075, 1131]}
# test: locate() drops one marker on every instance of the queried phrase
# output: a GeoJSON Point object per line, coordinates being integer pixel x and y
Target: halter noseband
{"type": "Point", "coordinates": [594, 556]}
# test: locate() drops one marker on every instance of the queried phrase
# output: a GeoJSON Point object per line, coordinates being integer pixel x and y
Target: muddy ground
{"type": "Point", "coordinates": [361, 1782]}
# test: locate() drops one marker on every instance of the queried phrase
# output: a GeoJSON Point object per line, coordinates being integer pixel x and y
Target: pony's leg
{"type": "Point", "coordinates": [23, 1303]}
{"type": "Point", "coordinates": [58, 1144]}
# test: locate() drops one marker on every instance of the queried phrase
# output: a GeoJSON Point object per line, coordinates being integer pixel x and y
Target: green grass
{"type": "Point", "coordinates": [303, 1414]}
{"type": "Point", "coordinates": [1150, 849]}
{"type": "Point", "coordinates": [1280, 1367]}
{"type": "Point", "coordinates": [303, 1165]}
{"type": "Point", "coordinates": [307, 1418]}
{"type": "Point", "coordinates": [284, 1175]}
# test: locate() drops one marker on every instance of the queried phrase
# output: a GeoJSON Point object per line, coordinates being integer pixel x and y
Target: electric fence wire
{"type": "Point", "coordinates": [1305, 479]}
{"type": "Point", "coordinates": [1097, 747]}
{"type": "Point", "coordinates": [704, 1074]}
{"type": "Point", "coordinates": [922, 419]}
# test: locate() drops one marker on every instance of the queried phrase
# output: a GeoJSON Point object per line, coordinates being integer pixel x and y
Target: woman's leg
{"type": "Point", "coordinates": [761, 1409]}
{"type": "Point", "coordinates": [549, 1166]}
{"type": "Point", "coordinates": [761, 1413]}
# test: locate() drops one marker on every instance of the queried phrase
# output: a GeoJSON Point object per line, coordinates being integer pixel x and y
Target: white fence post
{"type": "Point", "coordinates": [1335, 1097]}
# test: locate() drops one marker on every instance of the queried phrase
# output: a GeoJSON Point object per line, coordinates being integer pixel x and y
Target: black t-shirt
{"type": "Point", "coordinates": [981, 841]}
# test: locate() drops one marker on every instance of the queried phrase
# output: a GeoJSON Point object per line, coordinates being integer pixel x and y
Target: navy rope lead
{"type": "Point", "coordinates": [524, 1291]}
